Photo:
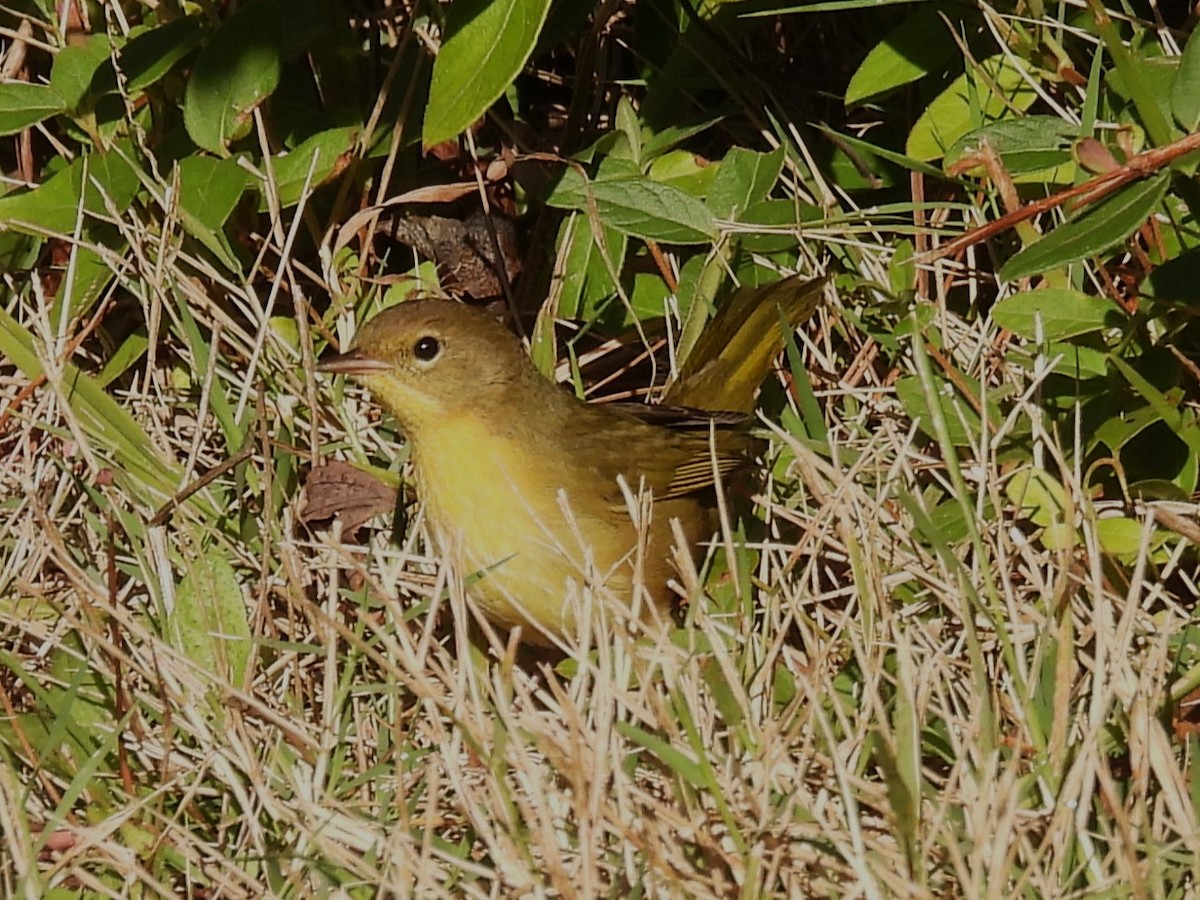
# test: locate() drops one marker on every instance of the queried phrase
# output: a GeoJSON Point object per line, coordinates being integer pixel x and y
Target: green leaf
{"type": "Point", "coordinates": [685, 170]}
{"type": "Point", "coordinates": [729, 701]}
{"type": "Point", "coordinates": [1061, 313]}
{"type": "Point", "coordinates": [210, 188]}
{"type": "Point", "coordinates": [744, 178]}
{"type": "Point", "coordinates": [1033, 149]}
{"type": "Point", "coordinates": [1185, 89]}
{"type": "Point", "coordinates": [587, 279]}
{"type": "Point", "coordinates": [86, 278]}
{"type": "Point", "coordinates": [126, 355]}
{"type": "Point", "coordinates": [1103, 226]}
{"type": "Point", "coordinates": [1077, 361]}
{"type": "Point", "coordinates": [1041, 498]}
{"type": "Point", "coordinates": [679, 762]}
{"type": "Point", "coordinates": [325, 154]}
{"type": "Point", "coordinates": [1128, 80]}
{"type": "Point", "coordinates": [53, 206]}
{"type": "Point", "coordinates": [961, 419]}
{"type": "Point", "coordinates": [23, 105]}
{"type": "Point", "coordinates": [236, 71]}
{"type": "Point", "coordinates": [487, 43]}
{"type": "Point", "coordinates": [75, 67]}
{"type": "Point", "coordinates": [1181, 422]}
{"type": "Point", "coordinates": [150, 53]}
{"type": "Point", "coordinates": [919, 45]}
{"type": "Point", "coordinates": [779, 223]}
{"type": "Point", "coordinates": [990, 91]}
{"type": "Point", "coordinates": [1118, 430]}
{"type": "Point", "coordinates": [209, 620]}
{"type": "Point", "coordinates": [654, 143]}
{"type": "Point", "coordinates": [1176, 279]}
{"type": "Point", "coordinates": [1120, 536]}
{"type": "Point", "coordinates": [638, 207]}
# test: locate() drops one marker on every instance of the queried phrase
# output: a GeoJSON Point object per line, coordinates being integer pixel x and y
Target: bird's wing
{"type": "Point", "coordinates": [686, 449]}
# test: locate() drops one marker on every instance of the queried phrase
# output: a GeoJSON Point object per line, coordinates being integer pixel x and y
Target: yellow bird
{"type": "Point", "coordinates": [531, 489]}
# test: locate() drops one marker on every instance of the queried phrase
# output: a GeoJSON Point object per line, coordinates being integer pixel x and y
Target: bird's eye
{"type": "Point", "coordinates": [427, 348]}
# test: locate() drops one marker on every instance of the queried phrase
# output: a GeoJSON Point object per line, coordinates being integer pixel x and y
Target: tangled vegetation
{"type": "Point", "coordinates": [953, 651]}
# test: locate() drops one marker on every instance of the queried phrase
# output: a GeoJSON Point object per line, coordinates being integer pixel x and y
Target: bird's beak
{"type": "Point", "coordinates": [353, 362]}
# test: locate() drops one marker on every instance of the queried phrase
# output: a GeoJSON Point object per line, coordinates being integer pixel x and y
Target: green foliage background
{"type": "Point", "coordinates": [175, 250]}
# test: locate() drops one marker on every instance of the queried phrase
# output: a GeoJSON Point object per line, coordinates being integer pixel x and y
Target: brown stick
{"type": "Point", "coordinates": [1089, 192]}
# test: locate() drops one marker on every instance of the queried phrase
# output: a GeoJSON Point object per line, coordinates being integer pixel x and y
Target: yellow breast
{"type": "Point", "coordinates": [506, 515]}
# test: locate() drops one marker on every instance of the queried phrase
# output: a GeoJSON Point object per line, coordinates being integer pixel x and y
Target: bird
{"type": "Point", "coordinates": [549, 505]}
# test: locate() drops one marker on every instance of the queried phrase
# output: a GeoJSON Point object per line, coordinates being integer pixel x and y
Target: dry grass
{"type": "Point", "coordinates": [900, 706]}
{"type": "Point", "coordinates": [900, 686]}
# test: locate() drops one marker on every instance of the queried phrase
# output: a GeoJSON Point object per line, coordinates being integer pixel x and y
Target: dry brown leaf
{"type": "Point", "coordinates": [342, 490]}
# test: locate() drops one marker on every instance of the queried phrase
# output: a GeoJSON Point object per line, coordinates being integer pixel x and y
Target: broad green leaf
{"type": "Point", "coordinates": [23, 105]}
{"type": "Point", "coordinates": [655, 143]}
{"type": "Point", "coordinates": [638, 207]}
{"type": "Point", "coordinates": [962, 420]}
{"type": "Point", "coordinates": [1181, 421]}
{"type": "Point", "coordinates": [1155, 78]}
{"type": "Point", "coordinates": [683, 170]}
{"type": "Point", "coordinates": [86, 700]}
{"type": "Point", "coordinates": [285, 330]}
{"type": "Point", "coordinates": [774, 225]}
{"type": "Point", "coordinates": [901, 269]}
{"type": "Point", "coordinates": [53, 206]}
{"type": "Point", "coordinates": [1185, 88]}
{"type": "Point", "coordinates": [150, 53]}
{"type": "Point", "coordinates": [587, 278]}
{"type": "Point", "coordinates": [971, 100]}
{"type": "Point", "coordinates": [783, 686]}
{"type": "Point", "coordinates": [1117, 430]}
{"type": "Point", "coordinates": [921, 44]}
{"type": "Point", "coordinates": [1077, 361]}
{"type": "Point", "coordinates": [729, 702]}
{"type": "Point", "coordinates": [1176, 279]}
{"type": "Point", "coordinates": [647, 298]}
{"type": "Point", "coordinates": [1120, 536]}
{"type": "Point", "coordinates": [626, 136]}
{"type": "Point", "coordinates": [1144, 80]}
{"type": "Point", "coordinates": [209, 620]}
{"type": "Point", "coordinates": [235, 72]}
{"type": "Point", "coordinates": [85, 279]}
{"type": "Point", "coordinates": [1041, 498]}
{"type": "Point", "coordinates": [1103, 226]}
{"type": "Point", "coordinates": [744, 178]}
{"type": "Point", "coordinates": [210, 188]}
{"type": "Point", "coordinates": [487, 43]}
{"type": "Point", "coordinates": [1031, 149]}
{"type": "Point", "coordinates": [75, 68]}
{"type": "Point", "coordinates": [949, 522]}
{"type": "Point", "coordinates": [1062, 313]}
{"type": "Point", "coordinates": [324, 154]}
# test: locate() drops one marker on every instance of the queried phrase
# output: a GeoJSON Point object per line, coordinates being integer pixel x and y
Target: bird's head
{"type": "Point", "coordinates": [429, 360]}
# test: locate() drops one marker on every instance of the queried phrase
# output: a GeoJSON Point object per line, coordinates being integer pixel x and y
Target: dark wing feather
{"type": "Point", "coordinates": [697, 474]}
{"type": "Point", "coordinates": [684, 450]}
{"type": "Point", "coordinates": [682, 418]}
